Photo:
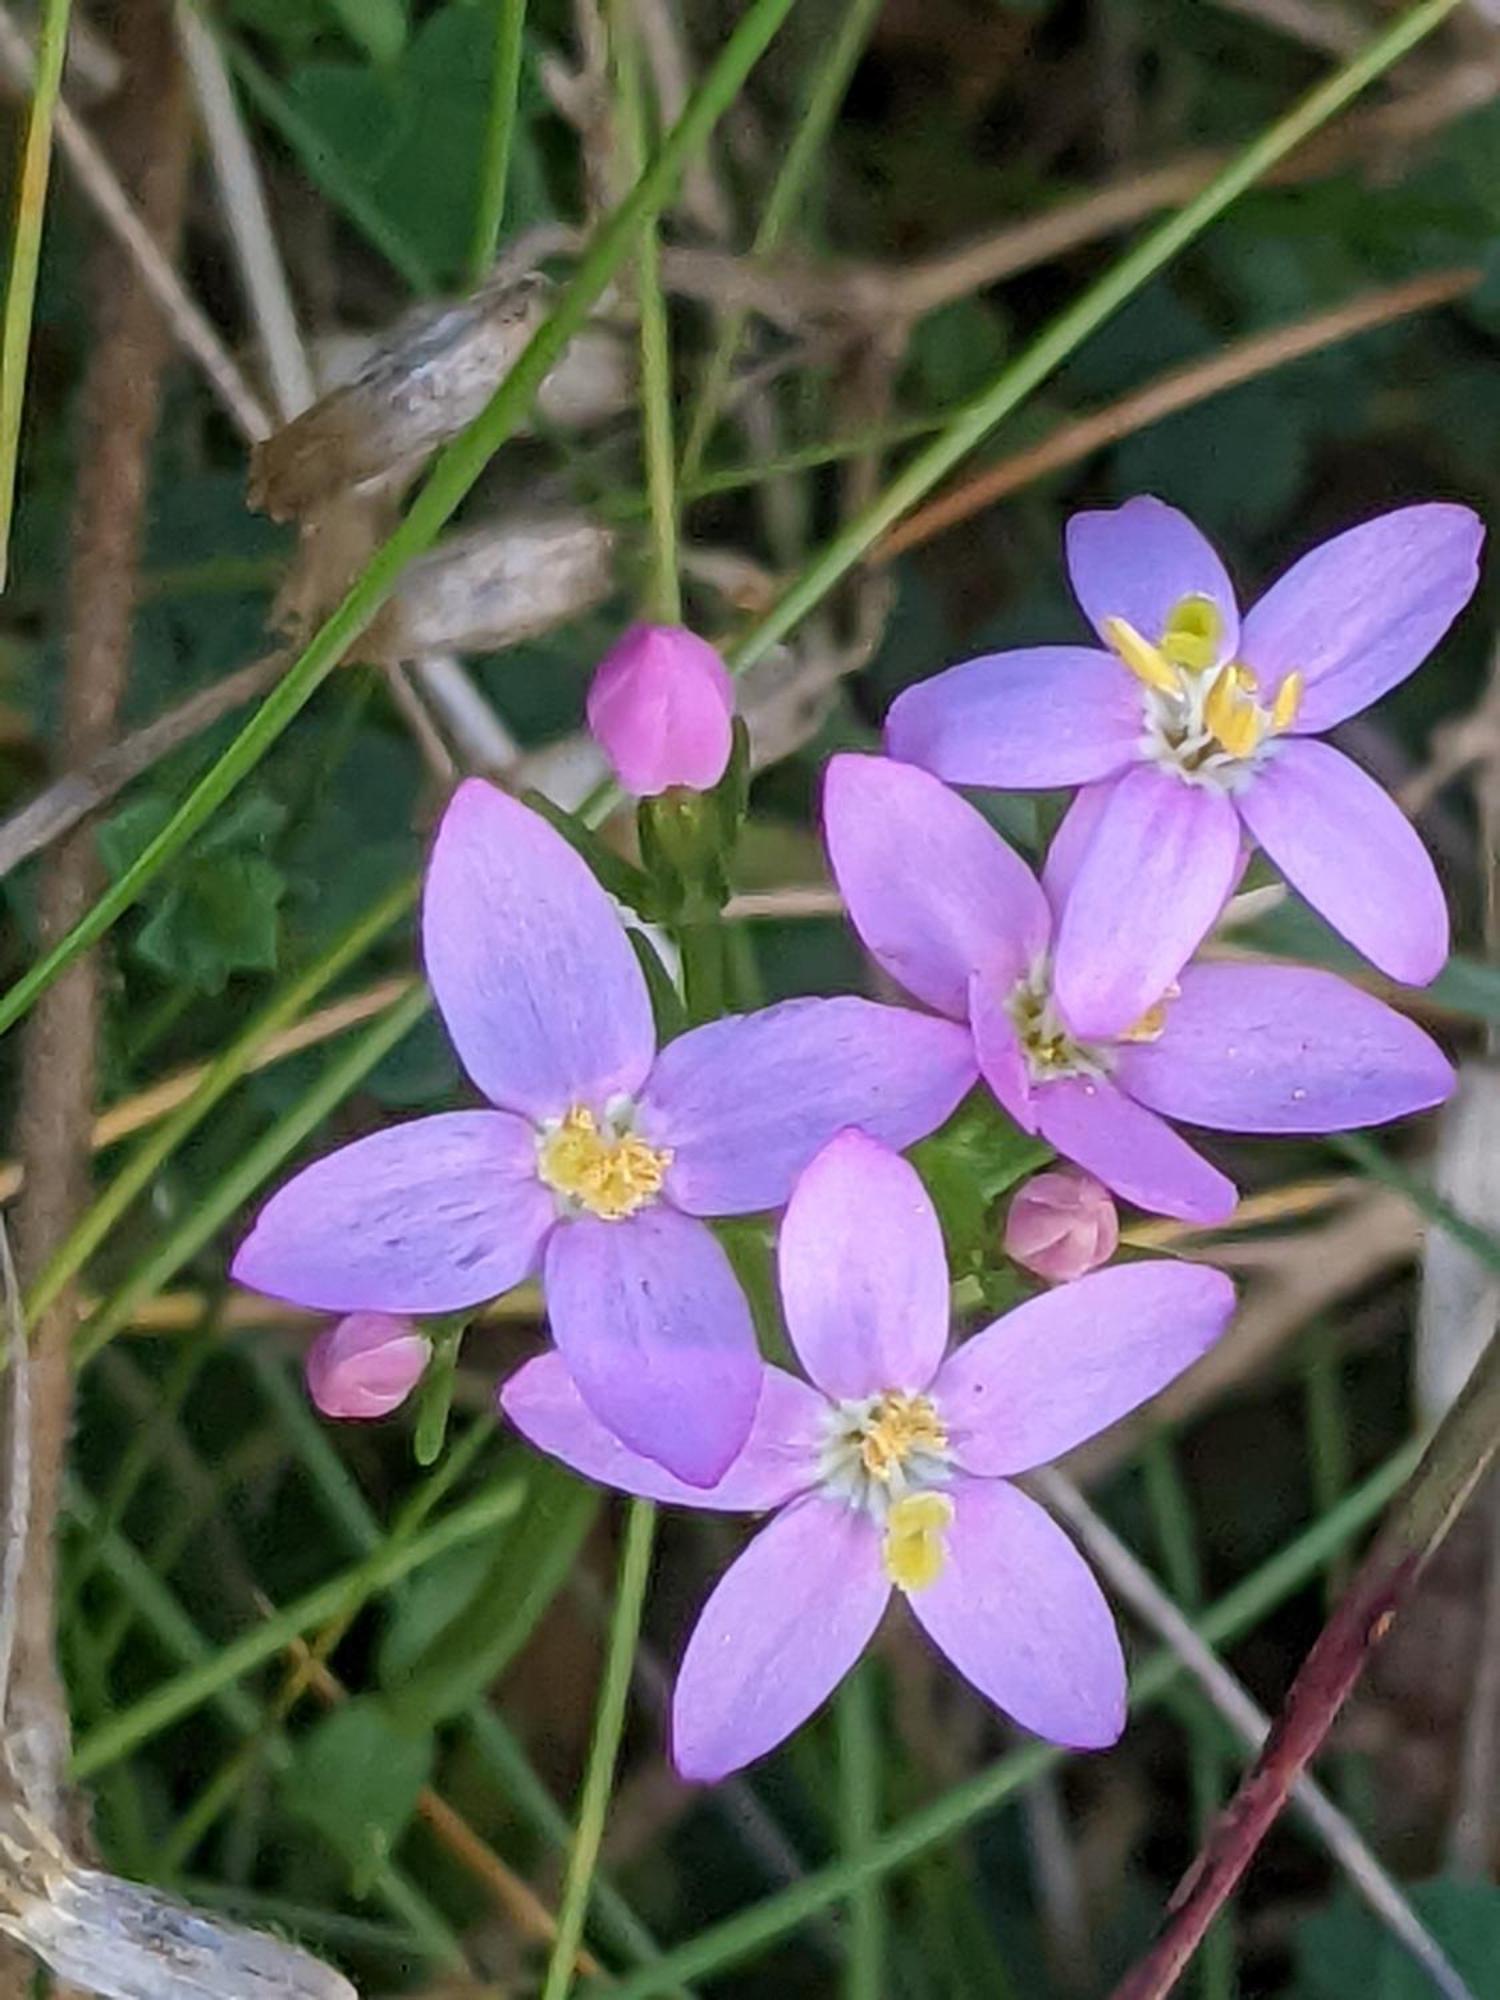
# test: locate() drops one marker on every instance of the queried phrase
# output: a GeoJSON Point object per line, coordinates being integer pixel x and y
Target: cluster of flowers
{"type": "Point", "coordinates": [603, 1158]}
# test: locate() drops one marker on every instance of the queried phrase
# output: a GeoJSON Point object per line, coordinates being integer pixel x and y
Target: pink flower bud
{"type": "Point", "coordinates": [1061, 1225]}
{"type": "Point", "coordinates": [366, 1366]}
{"type": "Point", "coordinates": [661, 709]}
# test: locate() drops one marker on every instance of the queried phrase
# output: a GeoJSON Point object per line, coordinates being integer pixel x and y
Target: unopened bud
{"type": "Point", "coordinates": [367, 1365]}
{"type": "Point", "coordinates": [1061, 1225]}
{"type": "Point", "coordinates": [662, 710]}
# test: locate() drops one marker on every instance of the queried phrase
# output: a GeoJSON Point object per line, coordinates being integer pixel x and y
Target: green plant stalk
{"type": "Point", "coordinates": [499, 135]}
{"type": "Point", "coordinates": [739, 1937]}
{"type": "Point", "coordinates": [665, 593]}
{"type": "Point", "coordinates": [859, 1816]}
{"type": "Point", "coordinates": [340, 1596]}
{"type": "Point", "coordinates": [26, 254]}
{"type": "Point", "coordinates": [166, 1258]}
{"type": "Point", "coordinates": [609, 1720]}
{"type": "Point", "coordinates": [1084, 317]}
{"type": "Point", "coordinates": [452, 477]}
{"type": "Point", "coordinates": [223, 1074]}
{"type": "Point", "coordinates": [829, 85]}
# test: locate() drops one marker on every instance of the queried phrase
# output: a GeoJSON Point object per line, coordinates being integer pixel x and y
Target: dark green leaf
{"type": "Point", "coordinates": [1346, 1953]}
{"type": "Point", "coordinates": [220, 918]}
{"type": "Point", "coordinates": [356, 1778]}
{"type": "Point", "coordinates": [528, 1566]}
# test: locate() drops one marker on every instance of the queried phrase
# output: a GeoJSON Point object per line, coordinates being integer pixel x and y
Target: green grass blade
{"type": "Point", "coordinates": [449, 482]}
{"type": "Point", "coordinates": [26, 255]}
{"type": "Point", "coordinates": [505, 83]}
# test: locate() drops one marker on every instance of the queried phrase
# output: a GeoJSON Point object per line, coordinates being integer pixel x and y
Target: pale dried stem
{"type": "Point", "coordinates": [101, 185]}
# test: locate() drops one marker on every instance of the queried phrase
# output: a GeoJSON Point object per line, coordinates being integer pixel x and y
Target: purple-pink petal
{"type": "Point", "coordinates": [785, 1624]}
{"type": "Point", "coordinates": [1072, 841]}
{"type": "Point", "coordinates": [997, 1047]}
{"type": "Point", "coordinates": [1138, 562]}
{"type": "Point", "coordinates": [1348, 848]}
{"type": "Point", "coordinates": [421, 1218]}
{"type": "Point", "coordinates": [1048, 715]}
{"type": "Point", "coordinates": [366, 1365]}
{"type": "Point", "coordinates": [779, 1459]}
{"type": "Point", "coordinates": [746, 1102]}
{"type": "Point", "coordinates": [1131, 1150]}
{"type": "Point", "coordinates": [1017, 1611]}
{"type": "Point", "coordinates": [1359, 613]}
{"type": "Point", "coordinates": [650, 1319]}
{"type": "Point", "coordinates": [864, 1276]}
{"type": "Point", "coordinates": [1278, 1048]}
{"type": "Point", "coordinates": [930, 886]}
{"type": "Point", "coordinates": [533, 973]}
{"type": "Point", "coordinates": [1063, 1367]}
{"type": "Point", "coordinates": [1155, 878]}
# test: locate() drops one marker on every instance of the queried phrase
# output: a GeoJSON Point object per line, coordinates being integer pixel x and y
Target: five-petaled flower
{"type": "Point", "coordinates": [958, 919]}
{"type": "Point", "coordinates": [601, 1156]}
{"type": "Point", "coordinates": [1193, 725]}
{"type": "Point", "coordinates": [893, 1470]}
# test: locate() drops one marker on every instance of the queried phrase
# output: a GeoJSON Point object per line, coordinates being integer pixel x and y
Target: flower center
{"type": "Point", "coordinates": [1048, 1044]}
{"type": "Point", "coordinates": [885, 1454]}
{"type": "Point", "coordinates": [605, 1171]}
{"type": "Point", "coordinates": [1208, 724]}
{"type": "Point", "coordinates": [1051, 1049]}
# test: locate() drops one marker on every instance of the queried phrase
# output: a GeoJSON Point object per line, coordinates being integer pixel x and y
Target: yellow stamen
{"type": "Point", "coordinates": [1288, 701]}
{"type": "Point", "coordinates": [896, 1427]}
{"type": "Point", "coordinates": [610, 1176]}
{"type": "Point", "coordinates": [1149, 1027]}
{"type": "Point", "coordinates": [1145, 661]}
{"type": "Point", "coordinates": [914, 1549]}
{"type": "Point", "coordinates": [1192, 634]}
{"type": "Point", "coordinates": [1232, 715]}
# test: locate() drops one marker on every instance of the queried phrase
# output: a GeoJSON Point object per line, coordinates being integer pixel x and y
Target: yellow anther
{"type": "Point", "coordinates": [1149, 1027]}
{"type": "Point", "coordinates": [896, 1427]}
{"type": "Point", "coordinates": [1232, 714]}
{"type": "Point", "coordinates": [1288, 701]}
{"type": "Point", "coordinates": [1147, 662]}
{"type": "Point", "coordinates": [1192, 634]}
{"type": "Point", "coordinates": [914, 1549]}
{"type": "Point", "coordinates": [609, 1175]}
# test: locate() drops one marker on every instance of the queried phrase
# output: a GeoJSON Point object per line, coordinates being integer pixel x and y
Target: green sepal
{"type": "Point", "coordinates": [620, 877]}
{"type": "Point", "coordinates": [435, 1390]}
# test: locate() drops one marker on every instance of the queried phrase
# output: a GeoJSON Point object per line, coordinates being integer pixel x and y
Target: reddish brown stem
{"type": "Point", "coordinates": [1452, 1466]}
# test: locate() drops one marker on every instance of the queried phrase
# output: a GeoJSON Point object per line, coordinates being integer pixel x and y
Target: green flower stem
{"type": "Point", "coordinates": [447, 485]}
{"type": "Point", "coordinates": [859, 1815]}
{"type": "Point", "coordinates": [1083, 318]}
{"type": "Point", "coordinates": [499, 135]}
{"type": "Point", "coordinates": [339, 1597]}
{"type": "Point", "coordinates": [26, 254]}
{"type": "Point", "coordinates": [223, 1074]}
{"type": "Point", "coordinates": [740, 1937]}
{"type": "Point", "coordinates": [830, 82]}
{"type": "Point", "coordinates": [665, 595]}
{"type": "Point", "coordinates": [624, 1630]}
{"type": "Point", "coordinates": [166, 1258]}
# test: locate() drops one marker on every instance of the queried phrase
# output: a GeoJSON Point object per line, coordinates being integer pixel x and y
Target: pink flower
{"type": "Point", "coordinates": [1060, 1225]}
{"type": "Point", "coordinates": [1194, 729]}
{"type": "Point", "coordinates": [891, 1473]}
{"type": "Point", "coordinates": [598, 1158]}
{"type": "Point", "coordinates": [961, 922]}
{"type": "Point", "coordinates": [662, 709]}
{"type": "Point", "coordinates": [366, 1366]}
